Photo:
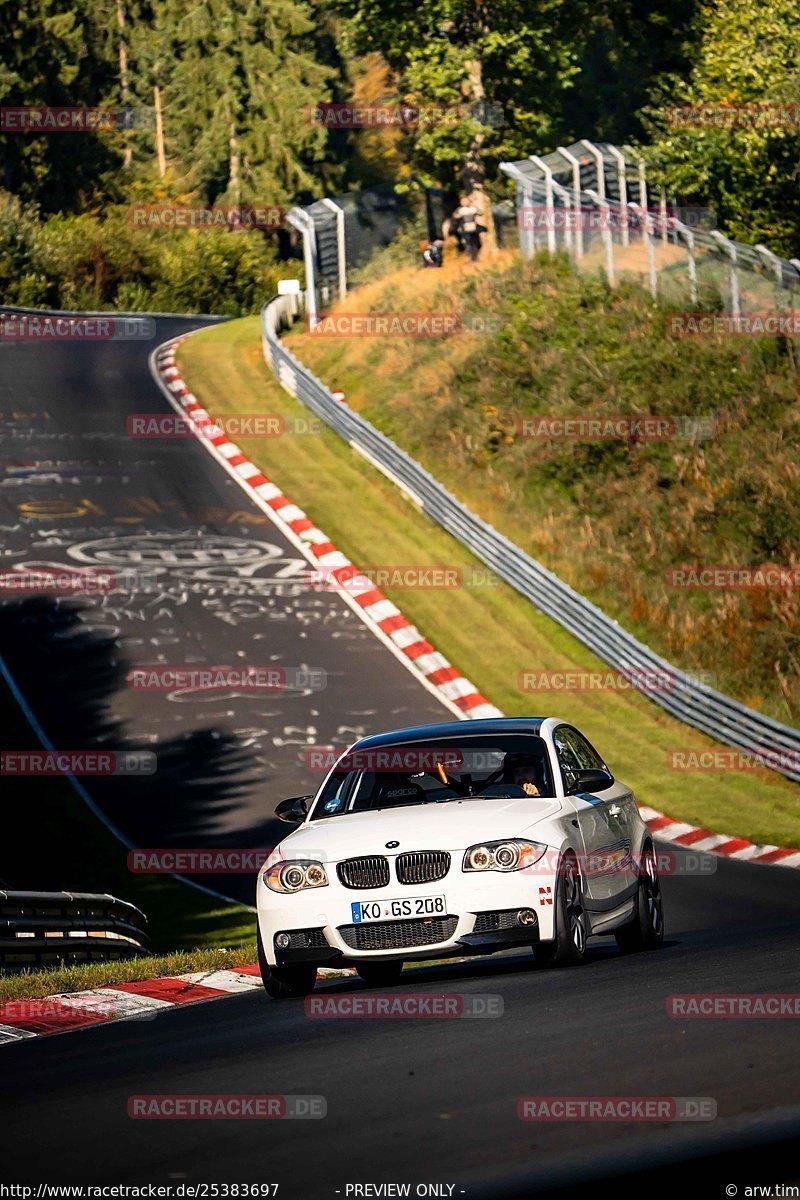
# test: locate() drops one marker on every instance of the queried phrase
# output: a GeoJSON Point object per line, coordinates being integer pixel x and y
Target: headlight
{"type": "Point", "coordinates": [509, 855]}
{"type": "Point", "coordinates": [295, 876]}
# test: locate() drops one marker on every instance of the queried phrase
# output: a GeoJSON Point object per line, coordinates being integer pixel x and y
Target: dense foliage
{"type": "Point", "coordinates": [236, 87]}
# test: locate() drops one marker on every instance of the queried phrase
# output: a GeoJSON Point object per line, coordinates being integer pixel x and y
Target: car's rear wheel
{"type": "Point", "coordinates": [284, 983]}
{"type": "Point", "coordinates": [380, 974]}
{"type": "Point", "coordinates": [646, 930]}
{"type": "Point", "coordinates": [569, 945]}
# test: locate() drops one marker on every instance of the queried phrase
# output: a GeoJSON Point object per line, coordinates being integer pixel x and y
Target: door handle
{"type": "Point", "coordinates": [615, 810]}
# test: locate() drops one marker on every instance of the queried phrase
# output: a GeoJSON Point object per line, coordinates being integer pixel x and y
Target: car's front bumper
{"type": "Point", "coordinates": [326, 914]}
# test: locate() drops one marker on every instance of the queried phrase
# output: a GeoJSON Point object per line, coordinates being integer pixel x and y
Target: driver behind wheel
{"type": "Point", "coordinates": [526, 771]}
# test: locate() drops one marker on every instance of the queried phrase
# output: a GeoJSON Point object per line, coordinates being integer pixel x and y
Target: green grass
{"type": "Point", "coordinates": [53, 842]}
{"type": "Point", "coordinates": [57, 980]}
{"type": "Point", "coordinates": [490, 633]}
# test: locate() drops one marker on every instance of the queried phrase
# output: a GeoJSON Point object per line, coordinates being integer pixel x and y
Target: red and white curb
{"type": "Point", "coordinates": [380, 614]}
{"type": "Point", "coordinates": [667, 829]}
{"type": "Point", "coordinates": [36, 1017]}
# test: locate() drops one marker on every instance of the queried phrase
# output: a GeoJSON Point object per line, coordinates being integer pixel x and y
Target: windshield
{"type": "Point", "coordinates": [436, 771]}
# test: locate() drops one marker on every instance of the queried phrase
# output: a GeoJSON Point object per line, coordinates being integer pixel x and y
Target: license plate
{"type": "Point", "coordinates": [407, 906]}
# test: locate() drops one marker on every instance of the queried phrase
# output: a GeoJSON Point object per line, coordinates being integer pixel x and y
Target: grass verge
{"type": "Point", "coordinates": [83, 977]}
{"type": "Point", "coordinates": [490, 633]}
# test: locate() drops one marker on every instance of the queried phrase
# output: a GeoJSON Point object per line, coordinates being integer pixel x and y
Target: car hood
{"type": "Point", "coordinates": [450, 826]}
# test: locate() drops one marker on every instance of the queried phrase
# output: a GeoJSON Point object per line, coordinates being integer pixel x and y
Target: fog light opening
{"type": "Point", "coordinates": [282, 941]}
{"type": "Point", "coordinates": [526, 916]}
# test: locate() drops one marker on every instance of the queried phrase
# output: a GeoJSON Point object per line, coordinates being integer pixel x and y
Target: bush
{"type": "Point", "coordinates": [103, 262]}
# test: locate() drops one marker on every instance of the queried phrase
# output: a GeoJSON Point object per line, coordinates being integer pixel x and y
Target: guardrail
{"type": "Point", "coordinates": [44, 928]}
{"type": "Point", "coordinates": [686, 698]}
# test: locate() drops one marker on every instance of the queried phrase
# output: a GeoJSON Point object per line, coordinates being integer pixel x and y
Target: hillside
{"type": "Point", "coordinates": [612, 517]}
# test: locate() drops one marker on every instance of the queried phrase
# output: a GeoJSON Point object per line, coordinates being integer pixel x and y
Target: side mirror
{"type": "Point", "coordinates": [294, 810]}
{"type": "Point", "coordinates": [593, 780]}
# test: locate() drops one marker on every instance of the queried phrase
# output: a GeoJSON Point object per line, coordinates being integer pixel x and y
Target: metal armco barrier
{"type": "Point", "coordinates": [44, 928]}
{"type": "Point", "coordinates": [686, 698]}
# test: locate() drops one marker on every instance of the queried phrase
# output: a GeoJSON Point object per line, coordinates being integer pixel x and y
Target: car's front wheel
{"type": "Point", "coordinates": [646, 930]}
{"type": "Point", "coordinates": [284, 983]}
{"type": "Point", "coordinates": [380, 974]}
{"type": "Point", "coordinates": [569, 944]}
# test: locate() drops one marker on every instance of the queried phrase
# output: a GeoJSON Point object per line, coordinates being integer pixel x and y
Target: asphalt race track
{"type": "Point", "coordinates": [203, 578]}
{"type": "Point", "coordinates": [426, 1101]}
{"type": "Point", "coordinates": [434, 1100]}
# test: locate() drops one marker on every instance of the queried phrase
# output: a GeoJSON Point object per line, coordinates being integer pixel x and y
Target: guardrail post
{"type": "Point", "coordinates": [795, 262]}
{"type": "Point", "coordinates": [340, 243]}
{"type": "Point", "coordinates": [647, 235]}
{"type": "Point", "coordinates": [662, 215]}
{"type": "Point", "coordinates": [565, 196]}
{"type": "Point", "coordinates": [576, 196]}
{"type": "Point", "coordinates": [688, 235]}
{"type": "Point", "coordinates": [548, 200]}
{"type": "Point", "coordinates": [605, 208]}
{"type": "Point", "coordinates": [598, 158]}
{"type": "Point", "coordinates": [301, 221]}
{"type": "Point", "coordinates": [527, 237]}
{"type": "Point", "coordinates": [774, 263]}
{"type": "Point", "coordinates": [619, 158]}
{"type": "Point", "coordinates": [730, 248]}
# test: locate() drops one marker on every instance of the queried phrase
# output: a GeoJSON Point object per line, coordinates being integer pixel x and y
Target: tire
{"type": "Point", "coordinates": [285, 983]}
{"type": "Point", "coordinates": [380, 974]}
{"type": "Point", "coordinates": [646, 930]}
{"type": "Point", "coordinates": [569, 946]}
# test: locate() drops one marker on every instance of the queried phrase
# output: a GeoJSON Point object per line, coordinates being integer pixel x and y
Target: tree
{"type": "Point", "coordinates": [749, 54]}
{"type": "Point", "coordinates": [237, 83]}
{"type": "Point", "coordinates": [503, 68]}
{"type": "Point", "coordinates": [56, 53]}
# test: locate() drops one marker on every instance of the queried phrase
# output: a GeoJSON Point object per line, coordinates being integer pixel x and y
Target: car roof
{"type": "Point", "coordinates": [461, 729]}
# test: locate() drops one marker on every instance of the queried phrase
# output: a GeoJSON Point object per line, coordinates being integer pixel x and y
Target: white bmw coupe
{"type": "Point", "coordinates": [456, 839]}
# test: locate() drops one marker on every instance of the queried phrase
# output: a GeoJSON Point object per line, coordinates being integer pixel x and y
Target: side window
{"type": "Point", "coordinates": [575, 754]}
{"type": "Point", "coordinates": [567, 758]}
{"type": "Point", "coordinates": [587, 756]}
